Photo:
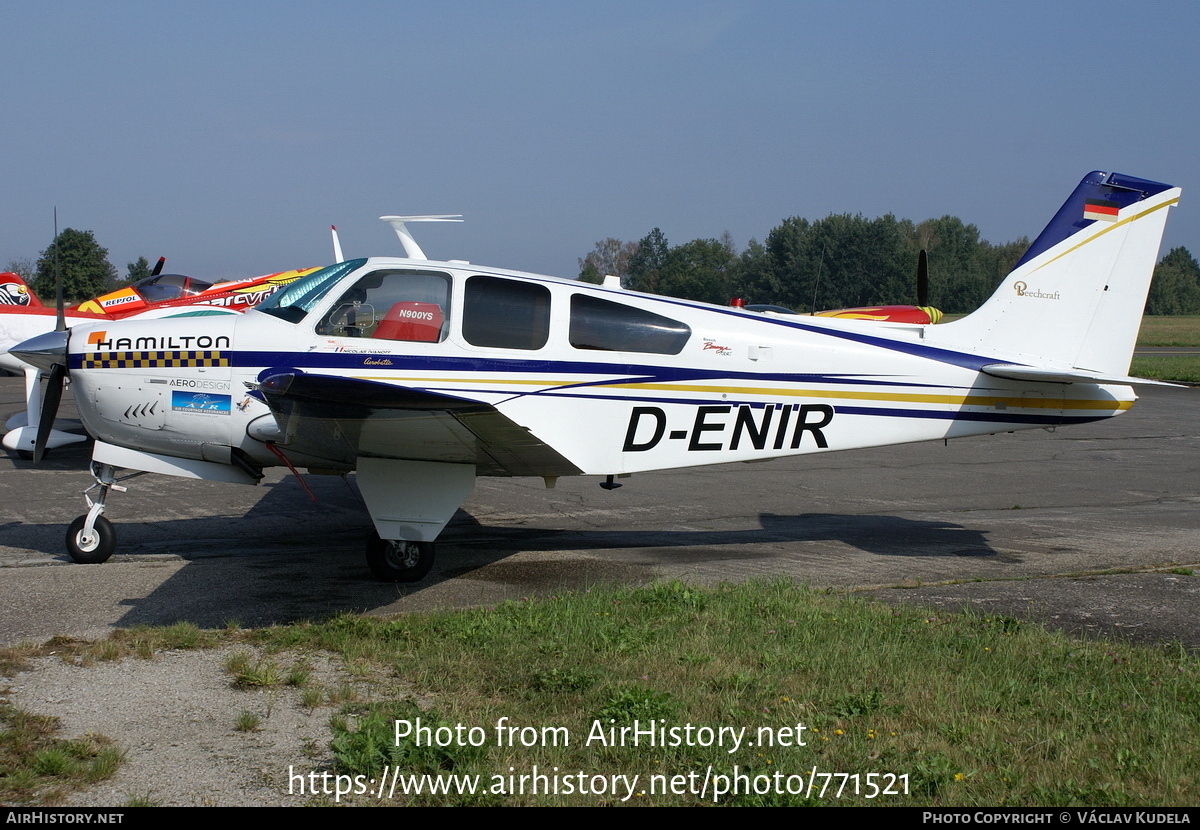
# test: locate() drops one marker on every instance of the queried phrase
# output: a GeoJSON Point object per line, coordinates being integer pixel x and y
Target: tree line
{"type": "Point", "coordinates": [84, 267]}
{"type": "Point", "coordinates": [841, 261]}
{"type": "Point", "coordinates": [844, 261]}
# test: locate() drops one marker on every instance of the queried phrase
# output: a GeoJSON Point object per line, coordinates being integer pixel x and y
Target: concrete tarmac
{"type": "Point", "coordinates": [1092, 529]}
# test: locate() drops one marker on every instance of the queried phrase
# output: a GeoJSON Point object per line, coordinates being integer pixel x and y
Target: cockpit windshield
{"type": "Point", "coordinates": [166, 287]}
{"type": "Point", "coordinates": [295, 301]}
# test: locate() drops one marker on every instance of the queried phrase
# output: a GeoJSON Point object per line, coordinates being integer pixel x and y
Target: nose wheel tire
{"type": "Point", "coordinates": [94, 549]}
{"type": "Point", "coordinates": [399, 560]}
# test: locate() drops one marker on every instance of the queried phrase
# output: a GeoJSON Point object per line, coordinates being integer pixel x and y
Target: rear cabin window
{"type": "Point", "coordinates": [397, 304]}
{"type": "Point", "coordinates": [506, 314]}
{"type": "Point", "coordinates": [613, 327]}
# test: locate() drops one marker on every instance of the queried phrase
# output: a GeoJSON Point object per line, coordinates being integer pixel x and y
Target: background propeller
{"type": "Point", "coordinates": [923, 278]}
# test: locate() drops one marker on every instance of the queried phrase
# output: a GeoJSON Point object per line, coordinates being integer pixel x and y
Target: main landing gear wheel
{"type": "Point", "coordinates": [94, 549]}
{"type": "Point", "coordinates": [399, 560]}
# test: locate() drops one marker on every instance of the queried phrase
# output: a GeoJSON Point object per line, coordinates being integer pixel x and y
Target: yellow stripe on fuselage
{"type": "Point", "coordinates": [776, 392]}
{"type": "Point", "coordinates": [907, 397]}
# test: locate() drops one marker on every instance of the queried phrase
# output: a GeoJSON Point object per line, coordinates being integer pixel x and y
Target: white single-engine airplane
{"type": "Point", "coordinates": [422, 375]}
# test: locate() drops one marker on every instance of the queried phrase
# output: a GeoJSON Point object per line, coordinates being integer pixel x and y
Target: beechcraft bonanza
{"type": "Point", "coordinates": [421, 375]}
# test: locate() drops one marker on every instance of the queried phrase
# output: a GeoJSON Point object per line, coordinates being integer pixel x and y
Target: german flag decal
{"type": "Point", "coordinates": [1101, 210]}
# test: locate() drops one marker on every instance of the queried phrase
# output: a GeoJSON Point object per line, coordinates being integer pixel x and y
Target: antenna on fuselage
{"type": "Point", "coordinates": [411, 249]}
{"type": "Point", "coordinates": [817, 281]}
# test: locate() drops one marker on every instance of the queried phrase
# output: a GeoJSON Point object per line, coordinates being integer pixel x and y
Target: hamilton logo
{"type": "Point", "coordinates": [174, 342]}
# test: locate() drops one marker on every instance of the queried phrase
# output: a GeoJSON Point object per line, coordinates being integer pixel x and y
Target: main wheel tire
{"type": "Point", "coordinates": [95, 549]}
{"type": "Point", "coordinates": [399, 561]}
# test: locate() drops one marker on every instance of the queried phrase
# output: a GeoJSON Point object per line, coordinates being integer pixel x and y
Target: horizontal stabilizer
{"type": "Point", "coordinates": [1015, 371]}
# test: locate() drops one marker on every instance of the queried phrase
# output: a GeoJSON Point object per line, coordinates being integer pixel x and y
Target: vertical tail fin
{"type": "Point", "coordinates": [14, 291]}
{"type": "Point", "coordinates": [1075, 300]}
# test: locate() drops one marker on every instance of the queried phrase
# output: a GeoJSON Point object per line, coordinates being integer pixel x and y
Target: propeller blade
{"type": "Point", "coordinates": [54, 389]}
{"type": "Point", "coordinates": [923, 278]}
{"type": "Point", "coordinates": [162, 260]}
{"type": "Point", "coordinates": [60, 323]}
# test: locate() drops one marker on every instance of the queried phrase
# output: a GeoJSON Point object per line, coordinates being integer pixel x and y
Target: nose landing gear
{"type": "Point", "coordinates": [91, 546]}
{"type": "Point", "coordinates": [91, 538]}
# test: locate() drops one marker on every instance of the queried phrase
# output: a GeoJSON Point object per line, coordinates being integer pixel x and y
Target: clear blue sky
{"type": "Point", "coordinates": [228, 137]}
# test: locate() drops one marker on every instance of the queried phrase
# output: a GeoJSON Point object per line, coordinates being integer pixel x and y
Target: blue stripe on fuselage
{"type": "Point", "coordinates": [629, 372]}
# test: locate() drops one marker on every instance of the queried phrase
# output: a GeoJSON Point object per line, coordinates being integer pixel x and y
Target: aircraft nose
{"type": "Point", "coordinates": [43, 351]}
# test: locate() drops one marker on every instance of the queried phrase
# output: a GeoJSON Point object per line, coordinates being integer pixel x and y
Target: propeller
{"type": "Point", "coordinates": [923, 287]}
{"type": "Point", "coordinates": [158, 266]}
{"type": "Point", "coordinates": [61, 320]}
{"type": "Point", "coordinates": [56, 351]}
{"type": "Point", "coordinates": [47, 352]}
{"type": "Point", "coordinates": [54, 390]}
{"type": "Point", "coordinates": [923, 278]}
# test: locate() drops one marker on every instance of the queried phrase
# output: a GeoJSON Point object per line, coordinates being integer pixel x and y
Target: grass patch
{"type": "Point", "coordinates": [38, 767]}
{"type": "Point", "coordinates": [249, 673]}
{"type": "Point", "coordinates": [964, 710]}
{"type": "Point", "coordinates": [1168, 367]}
{"type": "Point", "coordinates": [974, 710]}
{"type": "Point", "coordinates": [1154, 331]}
{"type": "Point", "coordinates": [1169, 331]}
{"type": "Point", "coordinates": [364, 741]}
{"type": "Point", "coordinates": [143, 642]}
{"type": "Point", "coordinates": [247, 722]}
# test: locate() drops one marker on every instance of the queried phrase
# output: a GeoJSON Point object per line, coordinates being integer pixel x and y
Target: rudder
{"type": "Point", "coordinates": [1075, 299]}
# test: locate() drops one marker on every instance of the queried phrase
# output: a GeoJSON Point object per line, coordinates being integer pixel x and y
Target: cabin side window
{"type": "Point", "coordinates": [506, 314]}
{"type": "Point", "coordinates": [396, 304]}
{"type": "Point", "coordinates": [606, 326]}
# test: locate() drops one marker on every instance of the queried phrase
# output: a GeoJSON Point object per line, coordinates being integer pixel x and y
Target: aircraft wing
{"type": "Point", "coordinates": [340, 419]}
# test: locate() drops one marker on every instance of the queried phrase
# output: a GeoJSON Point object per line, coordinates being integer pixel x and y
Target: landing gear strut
{"type": "Point", "coordinates": [398, 560]}
{"type": "Point", "coordinates": [91, 539]}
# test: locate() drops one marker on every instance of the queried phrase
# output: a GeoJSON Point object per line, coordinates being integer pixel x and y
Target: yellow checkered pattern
{"type": "Point", "coordinates": [153, 360]}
